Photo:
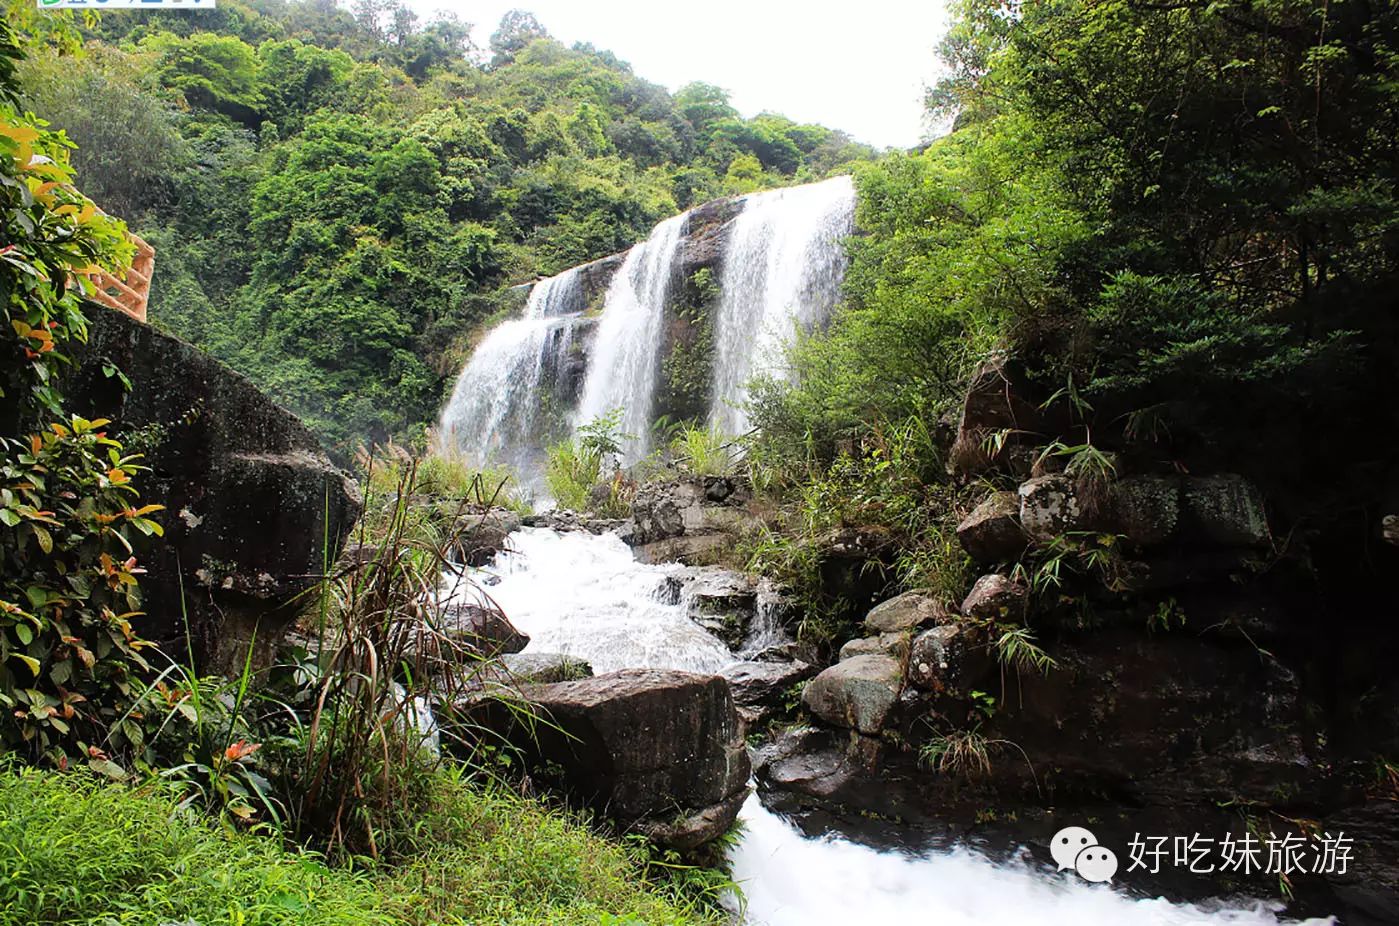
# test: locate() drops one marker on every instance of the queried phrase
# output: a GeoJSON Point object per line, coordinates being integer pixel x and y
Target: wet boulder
{"type": "Point", "coordinates": [992, 531]}
{"type": "Point", "coordinates": [484, 628]}
{"type": "Point", "coordinates": [254, 509]}
{"type": "Point", "coordinates": [857, 693]}
{"type": "Point", "coordinates": [721, 601]}
{"type": "Point", "coordinates": [658, 751]}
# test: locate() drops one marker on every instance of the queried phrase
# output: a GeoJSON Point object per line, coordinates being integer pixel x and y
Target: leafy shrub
{"type": "Point", "coordinates": [704, 452]}
{"type": "Point", "coordinates": [68, 591]}
{"type": "Point", "coordinates": [579, 466]}
{"type": "Point", "coordinates": [68, 588]}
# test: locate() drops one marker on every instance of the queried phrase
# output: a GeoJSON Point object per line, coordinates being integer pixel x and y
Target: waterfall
{"type": "Point", "coordinates": [622, 370]}
{"type": "Point", "coordinates": [497, 406]}
{"type": "Point", "coordinates": [783, 265]}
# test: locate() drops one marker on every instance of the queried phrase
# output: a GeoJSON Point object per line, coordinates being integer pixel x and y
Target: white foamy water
{"type": "Point", "coordinates": [622, 371]}
{"type": "Point", "coordinates": [783, 266]}
{"type": "Point", "coordinates": [587, 596]}
{"type": "Point", "coordinates": [790, 880]}
{"type": "Point", "coordinates": [493, 415]}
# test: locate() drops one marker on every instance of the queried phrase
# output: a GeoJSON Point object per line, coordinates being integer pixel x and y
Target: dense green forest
{"type": "Point", "coordinates": [336, 196]}
{"type": "Point", "coordinates": [1179, 218]}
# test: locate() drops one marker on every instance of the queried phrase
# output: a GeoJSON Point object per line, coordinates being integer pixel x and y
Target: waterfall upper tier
{"type": "Point", "coordinates": [672, 329]}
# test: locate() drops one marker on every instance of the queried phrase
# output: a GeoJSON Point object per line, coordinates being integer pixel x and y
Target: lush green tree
{"type": "Point", "coordinates": [517, 29]}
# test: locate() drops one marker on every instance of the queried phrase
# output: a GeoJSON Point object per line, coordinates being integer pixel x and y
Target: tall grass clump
{"type": "Point", "coordinates": [584, 473]}
{"type": "Point", "coordinates": [704, 451]}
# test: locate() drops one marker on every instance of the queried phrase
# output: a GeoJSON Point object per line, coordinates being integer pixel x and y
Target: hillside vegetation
{"type": "Point", "coordinates": [336, 197]}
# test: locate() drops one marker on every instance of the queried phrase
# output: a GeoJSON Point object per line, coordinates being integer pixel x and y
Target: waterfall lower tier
{"type": "Point", "coordinates": [502, 401]}
{"type": "Point", "coordinates": [587, 596]}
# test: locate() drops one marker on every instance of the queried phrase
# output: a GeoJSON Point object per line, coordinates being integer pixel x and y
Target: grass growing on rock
{"type": "Point", "coordinates": [77, 850]}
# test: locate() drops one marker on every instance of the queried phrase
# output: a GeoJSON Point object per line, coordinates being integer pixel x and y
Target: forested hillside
{"type": "Point", "coordinates": [335, 196]}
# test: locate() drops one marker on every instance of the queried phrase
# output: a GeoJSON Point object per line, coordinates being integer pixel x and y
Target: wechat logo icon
{"type": "Point", "coordinates": [1077, 848]}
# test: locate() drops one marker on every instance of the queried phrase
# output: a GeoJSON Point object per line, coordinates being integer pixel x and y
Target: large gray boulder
{"type": "Point", "coordinates": [857, 693]}
{"type": "Point", "coordinates": [480, 534]}
{"type": "Point", "coordinates": [254, 509]}
{"type": "Point", "coordinates": [658, 751]}
{"type": "Point", "coordinates": [905, 612]}
{"type": "Point", "coordinates": [992, 531]}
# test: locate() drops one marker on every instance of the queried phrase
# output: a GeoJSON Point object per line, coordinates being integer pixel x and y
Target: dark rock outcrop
{"type": "Point", "coordinates": [658, 751]}
{"type": "Point", "coordinates": [953, 658]}
{"type": "Point", "coordinates": [250, 498]}
{"type": "Point", "coordinates": [761, 688]}
{"type": "Point", "coordinates": [685, 518]}
{"type": "Point", "coordinates": [994, 405]}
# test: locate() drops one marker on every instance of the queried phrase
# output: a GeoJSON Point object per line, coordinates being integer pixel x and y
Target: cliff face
{"type": "Point", "coordinates": [687, 345]}
{"type": "Point", "coordinates": [254, 509]}
{"type": "Point", "coordinates": [1204, 666]}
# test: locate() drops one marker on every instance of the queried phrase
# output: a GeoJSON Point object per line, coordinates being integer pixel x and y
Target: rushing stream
{"type": "Point", "coordinates": [587, 596]}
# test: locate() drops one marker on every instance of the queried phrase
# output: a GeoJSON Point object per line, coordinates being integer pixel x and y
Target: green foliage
{"type": "Point", "coordinates": [577, 467]}
{"type": "Point", "coordinates": [73, 849]}
{"type": "Point", "coordinates": [687, 366]}
{"type": "Point", "coordinates": [704, 452]}
{"type": "Point", "coordinates": [889, 484]}
{"type": "Point", "coordinates": [1016, 649]}
{"type": "Point", "coordinates": [336, 198]}
{"type": "Point", "coordinates": [964, 753]}
{"type": "Point", "coordinates": [68, 508]}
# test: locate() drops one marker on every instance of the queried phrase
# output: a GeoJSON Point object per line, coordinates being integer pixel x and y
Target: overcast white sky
{"type": "Point", "coordinates": [861, 69]}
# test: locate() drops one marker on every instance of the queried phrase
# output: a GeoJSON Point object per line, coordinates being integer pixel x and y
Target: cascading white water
{"type": "Point", "coordinates": [493, 415]}
{"type": "Point", "coordinates": [626, 353]}
{"type": "Point", "coordinates": [789, 880]}
{"type": "Point", "coordinates": [783, 265]}
{"type": "Point", "coordinates": [587, 596]}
